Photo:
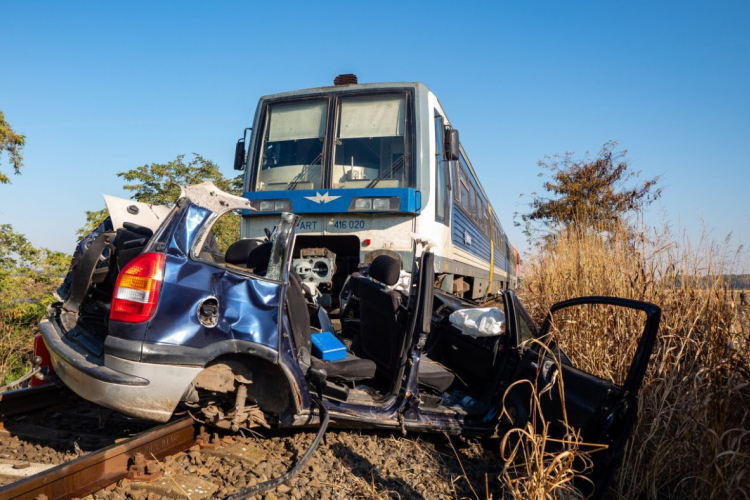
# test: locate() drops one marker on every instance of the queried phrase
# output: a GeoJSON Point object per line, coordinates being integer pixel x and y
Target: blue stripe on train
{"type": "Point", "coordinates": [500, 261]}
{"type": "Point", "coordinates": [325, 201]}
{"type": "Point", "coordinates": [476, 244]}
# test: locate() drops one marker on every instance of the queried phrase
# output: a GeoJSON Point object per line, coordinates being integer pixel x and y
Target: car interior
{"type": "Point", "coordinates": [373, 323]}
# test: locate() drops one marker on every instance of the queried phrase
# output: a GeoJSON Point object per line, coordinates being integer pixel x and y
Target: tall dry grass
{"type": "Point", "coordinates": [692, 438]}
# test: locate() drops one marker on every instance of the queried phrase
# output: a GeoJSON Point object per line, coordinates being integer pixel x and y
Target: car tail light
{"type": "Point", "coordinates": [137, 290]}
{"type": "Point", "coordinates": [46, 362]}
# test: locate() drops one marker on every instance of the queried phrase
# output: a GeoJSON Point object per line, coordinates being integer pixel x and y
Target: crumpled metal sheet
{"type": "Point", "coordinates": [207, 195]}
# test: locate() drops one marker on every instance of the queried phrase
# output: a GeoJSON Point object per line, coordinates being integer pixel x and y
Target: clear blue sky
{"type": "Point", "coordinates": [102, 87]}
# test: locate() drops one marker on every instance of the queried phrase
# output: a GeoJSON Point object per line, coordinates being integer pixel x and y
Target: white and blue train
{"type": "Point", "coordinates": [371, 167]}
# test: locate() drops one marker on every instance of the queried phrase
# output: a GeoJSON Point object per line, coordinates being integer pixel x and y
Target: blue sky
{"type": "Point", "coordinates": [102, 87]}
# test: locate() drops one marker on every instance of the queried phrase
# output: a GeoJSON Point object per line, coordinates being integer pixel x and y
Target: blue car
{"type": "Point", "coordinates": [155, 316]}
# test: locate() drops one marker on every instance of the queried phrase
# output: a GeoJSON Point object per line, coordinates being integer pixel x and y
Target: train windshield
{"type": "Point", "coordinates": [370, 143]}
{"type": "Point", "coordinates": [292, 150]}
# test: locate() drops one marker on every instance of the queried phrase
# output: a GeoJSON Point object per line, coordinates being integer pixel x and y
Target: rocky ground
{"type": "Point", "coordinates": [348, 464]}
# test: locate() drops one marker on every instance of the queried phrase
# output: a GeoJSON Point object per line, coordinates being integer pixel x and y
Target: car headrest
{"type": "Point", "coordinates": [385, 269]}
{"type": "Point", "coordinates": [259, 257]}
{"type": "Point", "coordinates": [135, 228]}
{"type": "Point", "coordinates": [239, 251]}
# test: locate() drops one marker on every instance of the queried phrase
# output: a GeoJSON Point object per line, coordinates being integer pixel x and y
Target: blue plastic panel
{"type": "Point", "coordinates": [327, 347]}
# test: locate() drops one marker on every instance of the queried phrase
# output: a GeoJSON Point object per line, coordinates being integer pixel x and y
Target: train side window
{"type": "Point", "coordinates": [468, 193]}
{"type": "Point", "coordinates": [464, 194]}
{"type": "Point", "coordinates": [474, 204]}
{"type": "Point", "coordinates": [440, 185]}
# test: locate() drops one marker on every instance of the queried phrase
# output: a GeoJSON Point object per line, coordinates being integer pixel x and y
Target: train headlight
{"type": "Point", "coordinates": [282, 206]}
{"type": "Point", "coordinates": [391, 203]}
{"type": "Point", "coordinates": [272, 205]}
{"type": "Point", "coordinates": [363, 204]}
{"type": "Point", "coordinates": [381, 203]}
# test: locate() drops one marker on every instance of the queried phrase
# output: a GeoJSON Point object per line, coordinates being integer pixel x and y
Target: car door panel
{"type": "Point", "coordinates": [602, 411]}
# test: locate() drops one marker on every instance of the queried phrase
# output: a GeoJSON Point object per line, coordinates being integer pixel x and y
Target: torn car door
{"type": "Point", "coordinates": [572, 399]}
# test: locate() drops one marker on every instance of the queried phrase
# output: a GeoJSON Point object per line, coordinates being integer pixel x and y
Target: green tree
{"type": "Point", "coordinates": [28, 276]}
{"type": "Point", "coordinates": [159, 184]}
{"type": "Point", "coordinates": [12, 143]}
{"type": "Point", "coordinates": [93, 219]}
{"type": "Point", "coordinates": [593, 191]}
{"type": "Point", "coordinates": [27, 272]}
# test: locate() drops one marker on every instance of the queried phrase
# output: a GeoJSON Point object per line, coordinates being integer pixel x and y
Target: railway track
{"type": "Point", "coordinates": [94, 470]}
{"type": "Point", "coordinates": [348, 464]}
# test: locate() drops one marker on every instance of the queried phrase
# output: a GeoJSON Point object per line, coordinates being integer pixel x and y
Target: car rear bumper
{"type": "Point", "coordinates": [143, 390]}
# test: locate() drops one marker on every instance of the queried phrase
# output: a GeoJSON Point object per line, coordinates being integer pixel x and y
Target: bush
{"type": "Point", "coordinates": [28, 277]}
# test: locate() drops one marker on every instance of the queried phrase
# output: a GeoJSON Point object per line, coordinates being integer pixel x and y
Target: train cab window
{"type": "Point", "coordinates": [292, 151]}
{"type": "Point", "coordinates": [370, 145]}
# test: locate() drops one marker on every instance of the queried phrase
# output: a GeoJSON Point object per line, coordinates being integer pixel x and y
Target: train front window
{"type": "Point", "coordinates": [370, 145]}
{"type": "Point", "coordinates": [293, 145]}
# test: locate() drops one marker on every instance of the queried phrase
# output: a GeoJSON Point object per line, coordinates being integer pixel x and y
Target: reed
{"type": "Point", "coordinates": [692, 438]}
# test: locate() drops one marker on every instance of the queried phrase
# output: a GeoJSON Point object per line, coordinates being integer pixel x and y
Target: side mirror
{"type": "Point", "coordinates": [239, 155]}
{"type": "Point", "coordinates": [451, 146]}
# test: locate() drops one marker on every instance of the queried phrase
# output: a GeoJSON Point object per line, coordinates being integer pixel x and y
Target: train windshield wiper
{"type": "Point", "coordinates": [297, 178]}
{"type": "Point", "coordinates": [388, 172]}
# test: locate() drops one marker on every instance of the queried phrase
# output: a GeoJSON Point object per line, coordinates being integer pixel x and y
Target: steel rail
{"type": "Point", "coordinates": [90, 473]}
{"type": "Point", "coordinates": [31, 398]}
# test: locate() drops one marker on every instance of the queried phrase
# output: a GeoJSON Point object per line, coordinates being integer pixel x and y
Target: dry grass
{"type": "Point", "coordinates": [692, 438]}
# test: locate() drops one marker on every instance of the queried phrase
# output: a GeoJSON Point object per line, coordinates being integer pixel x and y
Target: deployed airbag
{"type": "Point", "coordinates": [479, 322]}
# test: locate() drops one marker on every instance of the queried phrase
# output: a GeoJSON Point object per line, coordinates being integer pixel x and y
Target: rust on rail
{"type": "Point", "coordinates": [89, 473]}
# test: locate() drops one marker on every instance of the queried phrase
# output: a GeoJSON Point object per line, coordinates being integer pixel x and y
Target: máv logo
{"type": "Point", "coordinates": [322, 198]}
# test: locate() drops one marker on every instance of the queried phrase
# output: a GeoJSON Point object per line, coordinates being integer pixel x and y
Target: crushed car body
{"type": "Point", "coordinates": [153, 316]}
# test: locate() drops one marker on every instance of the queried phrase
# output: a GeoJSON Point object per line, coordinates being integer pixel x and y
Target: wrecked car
{"type": "Point", "coordinates": [154, 317]}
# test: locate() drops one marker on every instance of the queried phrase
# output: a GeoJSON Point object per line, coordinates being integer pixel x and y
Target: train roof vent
{"type": "Point", "coordinates": [347, 79]}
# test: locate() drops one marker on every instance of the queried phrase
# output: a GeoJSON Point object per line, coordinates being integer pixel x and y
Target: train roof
{"type": "Point", "coordinates": [418, 86]}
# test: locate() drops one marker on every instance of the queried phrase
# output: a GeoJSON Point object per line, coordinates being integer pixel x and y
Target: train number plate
{"type": "Point", "coordinates": [349, 224]}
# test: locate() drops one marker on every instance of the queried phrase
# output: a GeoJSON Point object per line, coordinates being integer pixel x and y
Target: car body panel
{"type": "Point", "coordinates": [143, 214]}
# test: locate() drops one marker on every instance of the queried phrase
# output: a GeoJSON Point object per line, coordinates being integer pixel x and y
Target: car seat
{"type": "Point", "coordinates": [383, 325]}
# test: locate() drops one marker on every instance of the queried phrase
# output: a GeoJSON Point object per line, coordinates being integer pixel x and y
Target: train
{"type": "Point", "coordinates": [372, 168]}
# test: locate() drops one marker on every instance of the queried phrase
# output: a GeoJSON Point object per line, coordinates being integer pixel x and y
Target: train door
{"type": "Point", "coordinates": [442, 187]}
